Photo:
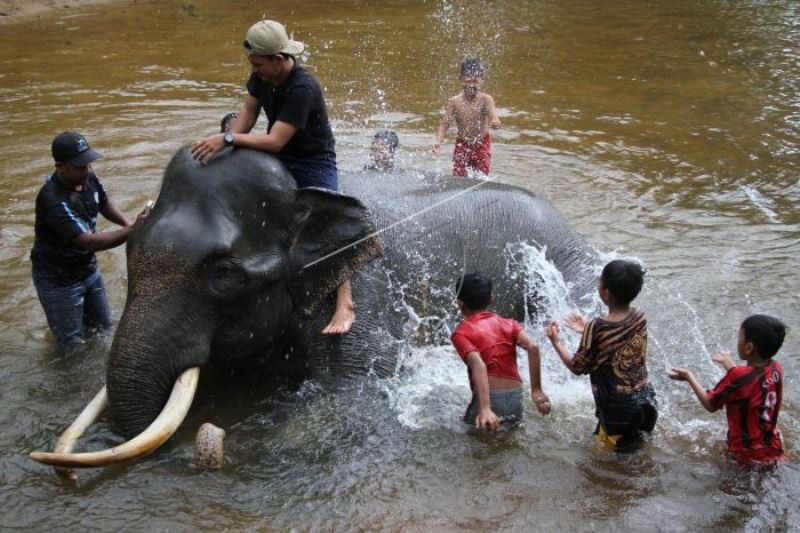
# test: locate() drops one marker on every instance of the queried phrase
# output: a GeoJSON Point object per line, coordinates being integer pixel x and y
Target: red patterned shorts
{"type": "Point", "coordinates": [476, 156]}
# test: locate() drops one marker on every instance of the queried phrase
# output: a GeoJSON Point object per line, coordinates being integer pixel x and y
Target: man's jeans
{"type": "Point", "coordinates": [72, 309]}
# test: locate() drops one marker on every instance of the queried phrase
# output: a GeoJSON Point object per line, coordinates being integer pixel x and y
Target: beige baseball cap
{"type": "Point", "coordinates": [268, 37]}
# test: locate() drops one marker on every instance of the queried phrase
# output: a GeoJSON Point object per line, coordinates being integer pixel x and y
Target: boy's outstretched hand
{"type": "Point", "coordinates": [679, 374]}
{"type": "Point", "coordinates": [541, 401]}
{"type": "Point", "coordinates": [723, 359]}
{"type": "Point", "coordinates": [576, 322]}
{"type": "Point", "coordinates": [553, 332]}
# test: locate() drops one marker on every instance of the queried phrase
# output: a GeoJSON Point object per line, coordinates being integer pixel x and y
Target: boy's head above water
{"type": "Point", "coordinates": [762, 333]}
{"type": "Point", "coordinates": [382, 148]}
{"type": "Point", "coordinates": [384, 143]}
{"type": "Point", "coordinates": [623, 280]}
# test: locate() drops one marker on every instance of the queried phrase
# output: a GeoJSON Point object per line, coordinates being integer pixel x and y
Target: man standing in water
{"type": "Point", "coordinates": [298, 133]}
{"type": "Point", "coordinates": [65, 272]}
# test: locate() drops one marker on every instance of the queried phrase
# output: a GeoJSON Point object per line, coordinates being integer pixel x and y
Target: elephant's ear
{"type": "Point", "coordinates": [335, 236]}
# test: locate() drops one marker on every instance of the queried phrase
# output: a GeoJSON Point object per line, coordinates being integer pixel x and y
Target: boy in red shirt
{"type": "Point", "coordinates": [487, 344]}
{"type": "Point", "coordinates": [752, 394]}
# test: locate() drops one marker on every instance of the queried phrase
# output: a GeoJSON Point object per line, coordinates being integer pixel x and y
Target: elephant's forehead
{"type": "Point", "coordinates": [198, 227]}
{"type": "Point", "coordinates": [213, 194]}
{"type": "Point", "coordinates": [209, 197]}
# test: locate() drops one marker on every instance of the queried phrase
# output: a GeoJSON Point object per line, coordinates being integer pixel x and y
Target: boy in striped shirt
{"type": "Point", "coordinates": [613, 351]}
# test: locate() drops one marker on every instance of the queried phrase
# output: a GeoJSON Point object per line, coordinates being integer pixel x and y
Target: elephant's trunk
{"type": "Point", "coordinates": [162, 428]}
{"type": "Point", "coordinates": [164, 330]}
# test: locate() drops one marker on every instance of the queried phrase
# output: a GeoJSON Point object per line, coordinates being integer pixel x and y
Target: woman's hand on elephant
{"type": "Point", "coordinates": [576, 322]}
{"type": "Point", "coordinates": [204, 149]}
{"type": "Point", "coordinates": [541, 401]}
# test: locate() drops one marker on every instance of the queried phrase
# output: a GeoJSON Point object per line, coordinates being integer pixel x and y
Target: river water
{"type": "Point", "coordinates": [666, 131]}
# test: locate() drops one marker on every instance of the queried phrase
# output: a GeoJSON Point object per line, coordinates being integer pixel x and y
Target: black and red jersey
{"type": "Point", "coordinates": [752, 398]}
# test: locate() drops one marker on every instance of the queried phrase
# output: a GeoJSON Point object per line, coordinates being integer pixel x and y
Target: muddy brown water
{"type": "Point", "coordinates": [667, 131]}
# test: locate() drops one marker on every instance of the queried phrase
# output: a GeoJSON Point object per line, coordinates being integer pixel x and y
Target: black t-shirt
{"type": "Point", "coordinates": [297, 101]}
{"type": "Point", "coordinates": [62, 214]}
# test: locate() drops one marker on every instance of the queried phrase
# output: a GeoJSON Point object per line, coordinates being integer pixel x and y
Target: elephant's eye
{"type": "Point", "coordinates": [226, 278]}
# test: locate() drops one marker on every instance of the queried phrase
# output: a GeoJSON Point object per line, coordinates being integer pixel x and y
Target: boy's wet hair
{"type": "Point", "coordinates": [765, 332]}
{"type": "Point", "coordinates": [475, 290]}
{"type": "Point", "coordinates": [226, 121]}
{"type": "Point", "coordinates": [623, 279]}
{"type": "Point", "coordinates": [389, 136]}
{"type": "Point", "coordinates": [473, 67]}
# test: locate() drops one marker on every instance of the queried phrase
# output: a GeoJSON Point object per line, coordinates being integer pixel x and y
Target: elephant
{"type": "Point", "coordinates": [235, 266]}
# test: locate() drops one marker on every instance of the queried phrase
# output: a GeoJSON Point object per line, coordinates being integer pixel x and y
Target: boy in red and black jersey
{"type": "Point", "coordinates": [752, 394]}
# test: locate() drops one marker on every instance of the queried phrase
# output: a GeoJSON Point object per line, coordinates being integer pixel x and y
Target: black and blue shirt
{"type": "Point", "coordinates": [62, 214]}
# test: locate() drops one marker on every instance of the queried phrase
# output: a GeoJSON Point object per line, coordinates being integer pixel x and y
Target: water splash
{"type": "Point", "coordinates": [433, 388]}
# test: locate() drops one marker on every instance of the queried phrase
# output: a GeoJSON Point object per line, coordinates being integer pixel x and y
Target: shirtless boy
{"type": "Point", "coordinates": [474, 113]}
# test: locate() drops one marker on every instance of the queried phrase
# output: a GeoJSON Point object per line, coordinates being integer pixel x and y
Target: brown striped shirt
{"type": "Point", "coordinates": [614, 353]}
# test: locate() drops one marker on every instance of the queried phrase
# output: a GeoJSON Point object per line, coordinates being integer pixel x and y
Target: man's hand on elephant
{"type": "Point", "coordinates": [541, 401]}
{"type": "Point", "coordinates": [204, 149]}
{"type": "Point", "coordinates": [140, 217]}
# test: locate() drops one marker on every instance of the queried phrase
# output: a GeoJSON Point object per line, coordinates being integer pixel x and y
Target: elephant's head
{"type": "Point", "coordinates": [226, 262]}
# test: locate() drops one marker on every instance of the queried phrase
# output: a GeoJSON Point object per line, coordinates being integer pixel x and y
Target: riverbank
{"type": "Point", "coordinates": [18, 10]}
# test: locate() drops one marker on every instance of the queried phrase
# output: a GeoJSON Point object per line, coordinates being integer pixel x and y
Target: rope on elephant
{"type": "Point", "coordinates": [401, 221]}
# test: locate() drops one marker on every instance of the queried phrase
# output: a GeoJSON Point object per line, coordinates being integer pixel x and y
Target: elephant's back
{"type": "Point", "coordinates": [482, 208]}
{"type": "Point", "coordinates": [435, 229]}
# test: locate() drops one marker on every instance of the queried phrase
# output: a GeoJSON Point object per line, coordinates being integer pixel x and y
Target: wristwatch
{"type": "Point", "coordinates": [228, 138]}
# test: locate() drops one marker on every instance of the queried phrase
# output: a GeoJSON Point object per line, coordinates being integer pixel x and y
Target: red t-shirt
{"type": "Point", "coordinates": [752, 398]}
{"type": "Point", "coordinates": [494, 338]}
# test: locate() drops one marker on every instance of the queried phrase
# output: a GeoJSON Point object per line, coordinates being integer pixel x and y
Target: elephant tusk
{"type": "Point", "coordinates": [162, 428]}
{"type": "Point", "coordinates": [68, 439]}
